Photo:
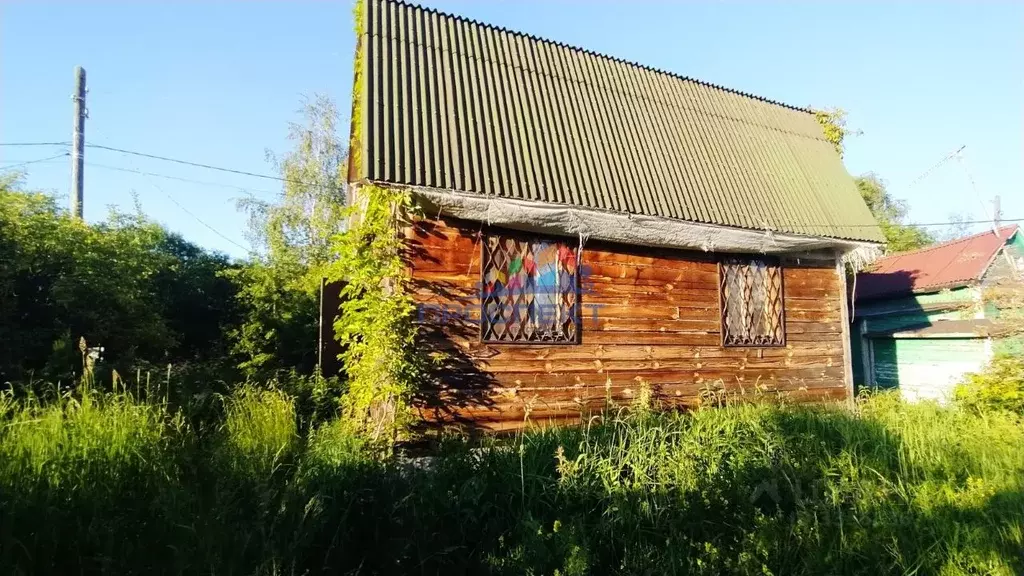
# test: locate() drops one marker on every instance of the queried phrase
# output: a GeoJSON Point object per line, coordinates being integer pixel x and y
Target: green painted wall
{"type": "Point", "coordinates": [857, 354]}
{"type": "Point", "coordinates": [914, 302]}
{"type": "Point", "coordinates": [1013, 346]}
{"type": "Point", "coordinates": [901, 313]}
{"type": "Point", "coordinates": [924, 368]}
{"type": "Point", "coordinates": [913, 319]}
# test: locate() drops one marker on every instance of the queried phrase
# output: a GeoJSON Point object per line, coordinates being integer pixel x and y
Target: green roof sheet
{"type": "Point", "coordinates": [454, 104]}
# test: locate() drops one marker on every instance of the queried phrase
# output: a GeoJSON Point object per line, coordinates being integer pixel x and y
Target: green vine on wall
{"type": "Point", "coordinates": [375, 327]}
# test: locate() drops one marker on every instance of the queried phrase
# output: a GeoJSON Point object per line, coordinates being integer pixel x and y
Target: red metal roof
{"type": "Point", "coordinates": [934, 268]}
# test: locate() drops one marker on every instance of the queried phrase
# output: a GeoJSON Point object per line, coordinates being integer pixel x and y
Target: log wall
{"type": "Point", "coordinates": [649, 315]}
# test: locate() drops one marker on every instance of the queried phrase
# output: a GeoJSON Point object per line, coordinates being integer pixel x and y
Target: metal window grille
{"type": "Point", "coordinates": [751, 296]}
{"type": "Point", "coordinates": [530, 291]}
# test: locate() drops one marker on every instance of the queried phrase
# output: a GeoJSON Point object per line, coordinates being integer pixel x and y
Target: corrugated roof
{"type": "Point", "coordinates": [454, 104]}
{"type": "Point", "coordinates": [934, 268]}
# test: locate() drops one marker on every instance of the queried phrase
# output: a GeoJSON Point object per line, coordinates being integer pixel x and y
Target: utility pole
{"type": "Point", "coordinates": [78, 145]}
{"type": "Point", "coordinates": [997, 212]}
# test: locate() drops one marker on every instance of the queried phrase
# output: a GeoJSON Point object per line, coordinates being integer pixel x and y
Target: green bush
{"type": "Point", "coordinates": [127, 284]}
{"type": "Point", "coordinates": [999, 386]}
{"type": "Point", "coordinates": [185, 320]}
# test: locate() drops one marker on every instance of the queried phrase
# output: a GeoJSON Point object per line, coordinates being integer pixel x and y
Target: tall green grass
{"type": "Point", "coordinates": [109, 484]}
{"type": "Point", "coordinates": [81, 480]}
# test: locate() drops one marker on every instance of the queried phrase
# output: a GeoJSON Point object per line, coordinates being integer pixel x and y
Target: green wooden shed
{"type": "Point", "coordinates": [921, 320]}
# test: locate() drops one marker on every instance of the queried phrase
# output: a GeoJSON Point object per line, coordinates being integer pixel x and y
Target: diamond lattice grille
{"type": "Point", "coordinates": [751, 302]}
{"type": "Point", "coordinates": [530, 291]}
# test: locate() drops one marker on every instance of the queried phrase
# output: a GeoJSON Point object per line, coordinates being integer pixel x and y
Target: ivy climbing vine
{"type": "Point", "coordinates": [375, 327]}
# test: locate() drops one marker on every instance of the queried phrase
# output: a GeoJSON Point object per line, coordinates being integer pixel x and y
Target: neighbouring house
{"type": "Point", "coordinates": [923, 319]}
{"type": "Point", "coordinates": [595, 229]}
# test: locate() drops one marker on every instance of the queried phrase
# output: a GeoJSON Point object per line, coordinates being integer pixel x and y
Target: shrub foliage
{"type": "Point", "coordinates": [999, 386]}
{"type": "Point", "coordinates": [127, 284]}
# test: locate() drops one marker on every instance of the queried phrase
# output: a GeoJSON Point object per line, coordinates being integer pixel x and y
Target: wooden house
{"type": "Point", "coordinates": [923, 319]}
{"type": "Point", "coordinates": [593, 228]}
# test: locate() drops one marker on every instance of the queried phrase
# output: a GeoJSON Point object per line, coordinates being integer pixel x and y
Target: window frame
{"type": "Point", "coordinates": [749, 259]}
{"type": "Point", "coordinates": [502, 233]}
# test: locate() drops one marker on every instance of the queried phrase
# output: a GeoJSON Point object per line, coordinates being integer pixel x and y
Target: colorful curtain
{"type": "Point", "coordinates": [530, 291]}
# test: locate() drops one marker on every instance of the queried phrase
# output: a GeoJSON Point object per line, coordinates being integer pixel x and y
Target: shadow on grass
{"type": "Point", "coordinates": [740, 490]}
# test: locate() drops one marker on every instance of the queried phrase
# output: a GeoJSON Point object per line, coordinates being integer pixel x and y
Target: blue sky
{"type": "Point", "coordinates": [218, 83]}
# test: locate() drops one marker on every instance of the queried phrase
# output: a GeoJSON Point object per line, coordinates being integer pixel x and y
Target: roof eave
{"type": "Point", "coordinates": [996, 253]}
{"type": "Point", "coordinates": [627, 228]}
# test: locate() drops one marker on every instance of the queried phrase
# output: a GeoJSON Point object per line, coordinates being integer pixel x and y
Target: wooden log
{"type": "Point", "coordinates": [633, 352]}
{"type": "Point", "coordinates": [497, 398]}
{"type": "Point", "coordinates": [696, 299]}
{"type": "Point", "coordinates": [658, 325]}
{"type": "Point", "coordinates": [541, 378]}
{"type": "Point", "coordinates": [653, 274]}
{"type": "Point", "coordinates": [539, 412]}
{"type": "Point", "coordinates": [797, 326]}
{"type": "Point", "coordinates": [613, 364]}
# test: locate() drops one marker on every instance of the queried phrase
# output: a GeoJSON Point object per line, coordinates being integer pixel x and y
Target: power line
{"type": "Point", "coordinates": [280, 179]}
{"type": "Point", "coordinates": [153, 183]}
{"type": "Point", "coordinates": [200, 220]}
{"type": "Point", "coordinates": [35, 143]}
{"type": "Point", "coordinates": [243, 189]}
{"type": "Point", "coordinates": [178, 204]}
{"type": "Point", "coordinates": [201, 165]}
{"type": "Point", "coordinates": [189, 180]}
{"type": "Point", "coordinates": [35, 161]}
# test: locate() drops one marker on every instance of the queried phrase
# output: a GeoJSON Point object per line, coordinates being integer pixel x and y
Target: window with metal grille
{"type": "Point", "coordinates": [529, 291]}
{"type": "Point", "coordinates": [752, 312]}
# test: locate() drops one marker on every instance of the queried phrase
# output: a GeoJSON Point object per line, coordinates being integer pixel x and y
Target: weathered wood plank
{"type": "Point", "coordinates": [543, 378]}
{"type": "Point", "coordinates": [614, 364]}
{"type": "Point", "coordinates": [536, 412]}
{"type": "Point", "coordinates": [577, 403]}
{"type": "Point", "coordinates": [634, 352]}
{"type": "Point", "coordinates": [697, 299]}
{"type": "Point", "coordinates": [649, 315]}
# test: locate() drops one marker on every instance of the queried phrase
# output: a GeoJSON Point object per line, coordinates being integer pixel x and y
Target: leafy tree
{"type": "Point", "coordinates": [833, 122]}
{"type": "Point", "coordinates": [280, 320]}
{"type": "Point", "coordinates": [891, 214]}
{"type": "Point", "coordinates": [127, 284]}
{"type": "Point", "coordinates": [279, 289]}
{"type": "Point", "coordinates": [958, 227]}
{"type": "Point", "coordinates": [298, 227]}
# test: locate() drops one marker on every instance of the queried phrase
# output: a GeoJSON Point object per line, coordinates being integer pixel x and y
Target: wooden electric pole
{"type": "Point", "coordinates": [78, 145]}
